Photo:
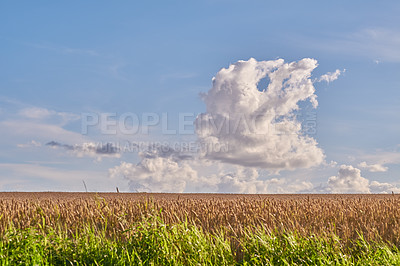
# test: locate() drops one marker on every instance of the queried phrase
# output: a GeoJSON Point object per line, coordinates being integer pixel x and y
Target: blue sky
{"type": "Point", "coordinates": [61, 60]}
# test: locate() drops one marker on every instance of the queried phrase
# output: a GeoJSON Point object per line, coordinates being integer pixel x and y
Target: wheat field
{"type": "Point", "coordinates": [376, 217]}
{"type": "Point", "coordinates": [52, 228]}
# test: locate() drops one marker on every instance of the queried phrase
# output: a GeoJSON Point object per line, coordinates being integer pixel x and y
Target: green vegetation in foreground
{"type": "Point", "coordinates": [152, 242]}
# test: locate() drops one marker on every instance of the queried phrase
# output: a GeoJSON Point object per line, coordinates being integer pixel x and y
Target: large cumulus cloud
{"type": "Point", "coordinates": [257, 127]}
{"type": "Point", "coordinates": [250, 123]}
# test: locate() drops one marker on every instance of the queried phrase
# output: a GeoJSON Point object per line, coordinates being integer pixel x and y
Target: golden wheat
{"type": "Point", "coordinates": [377, 217]}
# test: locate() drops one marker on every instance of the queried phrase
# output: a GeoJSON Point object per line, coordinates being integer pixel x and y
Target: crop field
{"type": "Point", "coordinates": [193, 229]}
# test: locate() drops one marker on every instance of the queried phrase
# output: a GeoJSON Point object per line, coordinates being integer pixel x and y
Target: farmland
{"type": "Point", "coordinates": [146, 228]}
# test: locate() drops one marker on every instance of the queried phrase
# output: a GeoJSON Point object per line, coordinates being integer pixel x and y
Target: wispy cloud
{"type": "Point", "coordinates": [28, 126]}
{"type": "Point", "coordinates": [376, 43]}
{"type": "Point", "coordinates": [41, 132]}
{"type": "Point", "coordinates": [383, 43]}
{"type": "Point", "coordinates": [43, 113]}
{"type": "Point", "coordinates": [373, 167]}
{"type": "Point", "coordinates": [90, 149]}
{"type": "Point", "coordinates": [331, 76]}
{"type": "Point", "coordinates": [37, 177]}
{"type": "Point", "coordinates": [380, 157]}
{"type": "Point", "coordinates": [33, 143]}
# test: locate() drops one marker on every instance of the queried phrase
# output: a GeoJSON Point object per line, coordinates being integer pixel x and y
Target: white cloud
{"type": "Point", "coordinates": [329, 77]}
{"type": "Point", "coordinates": [245, 128]}
{"type": "Point", "coordinates": [171, 174]}
{"type": "Point", "coordinates": [156, 175]}
{"type": "Point", "coordinates": [243, 180]}
{"type": "Point", "coordinates": [256, 127]}
{"type": "Point", "coordinates": [284, 185]}
{"type": "Point", "coordinates": [165, 170]}
{"type": "Point", "coordinates": [373, 167]}
{"type": "Point", "coordinates": [385, 188]}
{"type": "Point", "coordinates": [248, 180]}
{"type": "Point", "coordinates": [348, 180]}
{"type": "Point", "coordinates": [161, 169]}
{"type": "Point", "coordinates": [330, 164]}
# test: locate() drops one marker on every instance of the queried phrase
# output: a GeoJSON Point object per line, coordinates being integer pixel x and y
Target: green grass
{"type": "Point", "coordinates": [152, 242]}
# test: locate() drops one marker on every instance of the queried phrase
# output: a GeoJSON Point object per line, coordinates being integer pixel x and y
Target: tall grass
{"type": "Point", "coordinates": [153, 242]}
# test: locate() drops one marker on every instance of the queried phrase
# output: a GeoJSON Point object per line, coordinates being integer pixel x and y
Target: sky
{"type": "Point", "coordinates": [200, 96]}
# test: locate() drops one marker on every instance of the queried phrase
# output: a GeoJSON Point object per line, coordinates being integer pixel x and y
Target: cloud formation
{"type": "Point", "coordinates": [329, 77]}
{"type": "Point", "coordinates": [377, 187]}
{"type": "Point", "coordinates": [254, 126]}
{"type": "Point", "coordinates": [241, 181]}
{"type": "Point", "coordinates": [157, 171]}
{"type": "Point", "coordinates": [249, 126]}
{"type": "Point", "coordinates": [247, 180]}
{"type": "Point", "coordinates": [89, 149]}
{"type": "Point", "coordinates": [169, 173]}
{"type": "Point", "coordinates": [373, 167]}
{"type": "Point", "coordinates": [349, 180]}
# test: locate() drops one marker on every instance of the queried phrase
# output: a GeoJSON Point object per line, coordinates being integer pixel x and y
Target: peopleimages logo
{"type": "Point", "coordinates": [187, 124]}
{"type": "Point", "coordinates": [132, 124]}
